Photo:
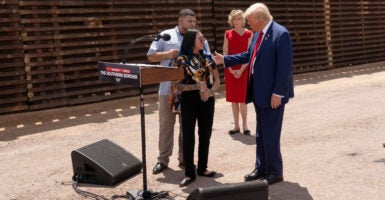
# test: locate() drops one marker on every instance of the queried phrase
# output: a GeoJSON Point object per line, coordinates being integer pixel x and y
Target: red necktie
{"type": "Point", "coordinates": [255, 50]}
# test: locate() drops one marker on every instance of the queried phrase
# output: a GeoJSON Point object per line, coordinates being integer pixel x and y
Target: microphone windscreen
{"type": "Point", "coordinates": [166, 37]}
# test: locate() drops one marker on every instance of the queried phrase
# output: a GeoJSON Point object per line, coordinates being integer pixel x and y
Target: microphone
{"type": "Point", "coordinates": [165, 37]}
{"type": "Point", "coordinates": [151, 37]}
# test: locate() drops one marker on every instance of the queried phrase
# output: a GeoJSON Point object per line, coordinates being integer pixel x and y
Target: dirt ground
{"type": "Point", "coordinates": [332, 143]}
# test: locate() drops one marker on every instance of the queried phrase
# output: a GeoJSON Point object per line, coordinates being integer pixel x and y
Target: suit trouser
{"type": "Point", "coordinates": [167, 119]}
{"type": "Point", "coordinates": [194, 110]}
{"type": "Point", "coordinates": [268, 151]}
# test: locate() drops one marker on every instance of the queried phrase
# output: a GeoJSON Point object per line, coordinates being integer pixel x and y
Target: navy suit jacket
{"type": "Point", "coordinates": [272, 66]}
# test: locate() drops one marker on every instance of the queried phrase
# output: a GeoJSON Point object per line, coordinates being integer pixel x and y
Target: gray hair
{"type": "Point", "coordinates": [259, 11]}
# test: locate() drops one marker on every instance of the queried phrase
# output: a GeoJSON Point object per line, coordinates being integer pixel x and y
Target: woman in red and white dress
{"type": "Point", "coordinates": [237, 40]}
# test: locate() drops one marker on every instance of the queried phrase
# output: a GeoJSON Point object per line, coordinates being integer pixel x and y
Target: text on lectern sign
{"type": "Point", "coordinates": [118, 73]}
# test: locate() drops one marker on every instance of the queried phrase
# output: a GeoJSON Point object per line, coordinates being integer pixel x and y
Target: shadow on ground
{"type": "Point", "coordinates": [16, 125]}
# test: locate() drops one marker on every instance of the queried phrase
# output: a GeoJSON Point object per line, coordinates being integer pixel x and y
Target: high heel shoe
{"type": "Point", "coordinates": [186, 181]}
{"type": "Point", "coordinates": [208, 174]}
{"type": "Point", "coordinates": [232, 132]}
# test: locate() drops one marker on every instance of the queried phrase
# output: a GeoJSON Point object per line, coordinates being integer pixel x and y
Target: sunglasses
{"type": "Point", "coordinates": [202, 39]}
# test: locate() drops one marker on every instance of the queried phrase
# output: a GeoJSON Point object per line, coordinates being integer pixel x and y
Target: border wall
{"type": "Point", "coordinates": [49, 48]}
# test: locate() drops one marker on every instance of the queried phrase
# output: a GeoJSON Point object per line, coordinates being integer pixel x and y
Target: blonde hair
{"type": "Point", "coordinates": [259, 11]}
{"type": "Point", "coordinates": [234, 13]}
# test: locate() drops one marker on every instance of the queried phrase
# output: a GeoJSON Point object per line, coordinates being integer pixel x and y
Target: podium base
{"type": "Point", "coordinates": [148, 195]}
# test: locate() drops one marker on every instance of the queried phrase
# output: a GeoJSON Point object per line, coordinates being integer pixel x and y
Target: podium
{"type": "Point", "coordinates": [138, 75]}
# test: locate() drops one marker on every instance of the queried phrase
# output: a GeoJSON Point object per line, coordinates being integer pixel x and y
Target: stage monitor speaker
{"type": "Point", "coordinates": [104, 163]}
{"type": "Point", "coordinates": [253, 190]}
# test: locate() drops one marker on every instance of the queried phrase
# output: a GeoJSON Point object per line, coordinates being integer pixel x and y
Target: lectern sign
{"type": "Point", "coordinates": [119, 73]}
{"type": "Point", "coordinates": [137, 74]}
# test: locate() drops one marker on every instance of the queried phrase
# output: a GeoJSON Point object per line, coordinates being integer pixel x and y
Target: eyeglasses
{"type": "Point", "coordinates": [201, 39]}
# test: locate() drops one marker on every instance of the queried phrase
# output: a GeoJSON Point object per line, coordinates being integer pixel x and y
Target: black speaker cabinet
{"type": "Point", "coordinates": [104, 163]}
{"type": "Point", "coordinates": [253, 190]}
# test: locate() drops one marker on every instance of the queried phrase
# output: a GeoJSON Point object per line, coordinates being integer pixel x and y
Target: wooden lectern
{"type": "Point", "coordinates": [139, 75]}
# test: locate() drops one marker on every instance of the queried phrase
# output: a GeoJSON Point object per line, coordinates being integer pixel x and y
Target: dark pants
{"type": "Point", "coordinates": [269, 125]}
{"type": "Point", "coordinates": [193, 110]}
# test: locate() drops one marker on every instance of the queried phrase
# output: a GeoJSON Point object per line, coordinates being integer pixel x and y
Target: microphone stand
{"type": "Point", "coordinates": [143, 194]}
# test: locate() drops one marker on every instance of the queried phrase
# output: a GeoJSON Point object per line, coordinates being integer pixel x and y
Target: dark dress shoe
{"type": "Point", "coordinates": [273, 179]}
{"type": "Point", "coordinates": [207, 174]}
{"type": "Point", "coordinates": [254, 175]}
{"type": "Point", "coordinates": [186, 181]}
{"type": "Point", "coordinates": [246, 132]}
{"type": "Point", "coordinates": [159, 167]}
{"type": "Point", "coordinates": [232, 132]}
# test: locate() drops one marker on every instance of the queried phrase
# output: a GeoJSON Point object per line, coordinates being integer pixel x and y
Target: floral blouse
{"type": "Point", "coordinates": [198, 68]}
